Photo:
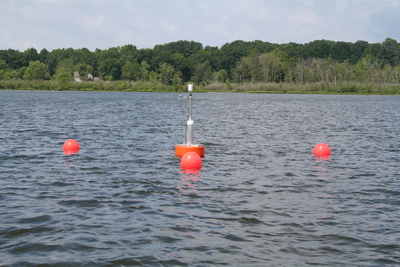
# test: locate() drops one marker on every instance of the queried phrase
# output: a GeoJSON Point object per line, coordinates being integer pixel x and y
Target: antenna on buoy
{"type": "Point", "coordinates": [189, 146]}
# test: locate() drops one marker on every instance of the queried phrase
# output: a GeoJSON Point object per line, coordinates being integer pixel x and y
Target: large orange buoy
{"type": "Point", "coordinates": [181, 150]}
{"type": "Point", "coordinates": [321, 149]}
{"type": "Point", "coordinates": [70, 146]}
{"type": "Point", "coordinates": [189, 146]}
{"type": "Point", "coordinates": [191, 160]}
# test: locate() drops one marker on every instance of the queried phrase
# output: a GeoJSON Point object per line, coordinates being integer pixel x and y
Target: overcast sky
{"type": "Point", "coordinates": [102, 24]}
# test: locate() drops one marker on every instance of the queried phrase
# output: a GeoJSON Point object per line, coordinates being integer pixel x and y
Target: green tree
{"type": "Point", "coordinates": [254, 65]}
{"type": "Point", "coordinates": [21, 72]}
{"type": "Point", "coordinates": [15, 59]}
{"type": "Point", "coordinates": [111, 68]}
{"type": "Point", "coordinates": [3, 64]}
{"type": "Point", "coordinates": [220, 76]}
{"type": "Point", "coordinates": [127, 53]}
{"type": "Point", "coordinates": [185, 48]}
{"type": "Point", "coordinates": [63, 76]}
{"type": "Point", "coordinates": [154, 77]}
{"type": "Point", "coordinates": [178, 61]}
{"type": "Point", "coordinates": [273, 65]}
{"type": "Point", "coordinates": [341, 51]}
{"type": "Point", "coordinates": [44, 56]}
{"type": "Point", "coordinates": [145, 71]}
{"type": "Point", "coordinates": [110, 53]}
{"type": "Point", "coordinates": [58, 55]}
{"type": "Point", "coordinates": [84, 56]}
{"type": "Point", "coordinates": [177, 80]}
{"type": "Point", "coordinates": [132, 71]}
{"type": "Point", "coordinates": [66, 64]}
{"type": "Point", "coordinates": [242, 73]}
{"type": "Point", "coordinates": [36, 71]}
{"type": "Point", "coordinates": [389, 52]}
{"type": "Point", "coordinates": [293, 50]}
{"type": "Point", "coordinates": [10, 74]}
{"type": "Point", "coordinates": [342, 72]}
{"type": "Point", "coordinates": [145, 54]}
{"type": "Point", "coordinates": [364, 69]}
{"type": "Point", "coordinates": [167, 73]}
{"type": "Point", "coordinates": [232, 53]}
{"type": "Point", "coordinates": [359, 50]}
{"type": "Point", "coordinates": [318, 49]}
{"type": "Point", "coordinates": [128, 71]}
{"type": "Point", "coordinates": [161, 55]}
{"type": "Point", "coordinates": [322, 69]}
{"type": "Point", "coordinates": [396, 74]}
{"type": "Point", "coordinates": [202, 73]}
{"type": "Point", "coordinates": [385, 74]}
{"type": "Point", "coordinates": [31, 54]}
{"type": "Point", "coordinates": [3, 68]}
{"type": "Point", "coordinates": [300, 71]}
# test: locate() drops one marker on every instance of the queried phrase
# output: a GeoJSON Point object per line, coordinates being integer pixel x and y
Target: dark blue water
{"type": "Point", "coordinates": [261, 198]}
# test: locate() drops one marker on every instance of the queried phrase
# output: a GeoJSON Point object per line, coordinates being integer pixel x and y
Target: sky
{"type": "Point", "coordinates": [102, 24]}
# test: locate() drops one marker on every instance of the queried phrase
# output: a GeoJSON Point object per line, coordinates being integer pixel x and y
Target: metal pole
{"type": "Point", "coordinates": [190, 106]}
{"type": "Point", "coordinates": [190, 122]}
{"type": "Point", "coordinates": [189, 133]}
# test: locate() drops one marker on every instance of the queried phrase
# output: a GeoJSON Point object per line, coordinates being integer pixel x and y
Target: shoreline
{"type": "Point", "coordinates": [151, 86]}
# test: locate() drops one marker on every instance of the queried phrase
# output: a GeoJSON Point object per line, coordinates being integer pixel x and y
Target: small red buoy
{"type": "Point", "coordinates": [191, 160]}
{"type": "Point", "coordinates": [321, 149]}
{"type": "Point", "coordinates": [71, 146]}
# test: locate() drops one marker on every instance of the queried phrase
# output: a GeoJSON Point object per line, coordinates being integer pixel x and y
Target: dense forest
{"type": "Point", "coordinates": [257, 66]}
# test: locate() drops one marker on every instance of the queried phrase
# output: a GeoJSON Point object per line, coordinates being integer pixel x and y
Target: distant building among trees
{"type": "Point", "coordinates": [76, 77]}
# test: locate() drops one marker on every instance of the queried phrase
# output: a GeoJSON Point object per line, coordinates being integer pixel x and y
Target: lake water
{"type": "Point", "coordinates": [260, 199]}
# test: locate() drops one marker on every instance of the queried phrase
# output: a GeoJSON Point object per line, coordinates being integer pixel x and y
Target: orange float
{"type": "Point", "coordinates": [70, 146]}
{"type": "Point", "coordinates": [181, 150]}
{"type": "Point", "coordinates": [191, 161]}
{"type": "Point", "coordinates": [321, 149]}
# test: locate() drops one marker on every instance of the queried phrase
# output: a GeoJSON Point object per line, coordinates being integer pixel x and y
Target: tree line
{"type": "Point", "coordinates": [240, 62]}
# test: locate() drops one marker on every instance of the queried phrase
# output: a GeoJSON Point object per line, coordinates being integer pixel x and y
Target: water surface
{"type": "Point", "coordinates": [261, 198]}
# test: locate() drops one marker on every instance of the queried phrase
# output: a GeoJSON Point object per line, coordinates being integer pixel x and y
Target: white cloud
{"type": "Point", "coordinates": [169, 27]}
{"type": "Point", "coordinates": [102, 24]}
{"type": "Point", "coordinates": [93, 23]}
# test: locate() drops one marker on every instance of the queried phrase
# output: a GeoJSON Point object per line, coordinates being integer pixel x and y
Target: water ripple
{"type": "Point", "coordinates": [261, 198]}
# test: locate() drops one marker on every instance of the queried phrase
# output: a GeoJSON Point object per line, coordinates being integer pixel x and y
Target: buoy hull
{"type": "Point", "coordinates": [71, 146]}
{"type": "Point", "coordinates": [181, 150]}
{"type": "Point", "coordinates": [191, 161]}
{"type": "Point", "coordinates": [321, 149]}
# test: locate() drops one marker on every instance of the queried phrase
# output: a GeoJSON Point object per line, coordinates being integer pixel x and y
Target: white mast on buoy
{"type": "Point", "coordinates": [189, 146]}
{"type": "Point", "coordinates": [190, 122]}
